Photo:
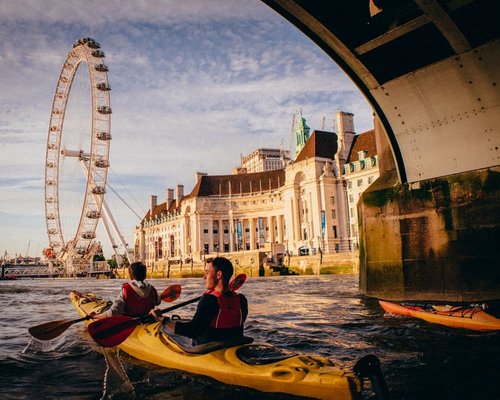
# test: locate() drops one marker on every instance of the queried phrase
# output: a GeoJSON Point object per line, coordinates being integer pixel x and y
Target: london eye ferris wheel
{"type": "Point", "coordinates": [79, 243]}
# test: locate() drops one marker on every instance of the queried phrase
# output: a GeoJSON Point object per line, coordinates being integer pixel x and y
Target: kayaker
{"type": "Point", "coordinates": [221, 312]}
{"type": "Point", "coordinates": [137, 297]}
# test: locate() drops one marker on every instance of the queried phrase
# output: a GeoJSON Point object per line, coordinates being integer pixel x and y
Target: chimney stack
{"type": "Point", "coordinates": [170, 197]}
{"type": "Point", "coordinates": [152, 204]}
{"type": "Point", "coordinates": [345, 126]}
{"type": "Point", "coordinates": [179, 195]}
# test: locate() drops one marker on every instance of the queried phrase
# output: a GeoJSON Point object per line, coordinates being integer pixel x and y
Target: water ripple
{"type": "Point", "coordinates": [322, 315]}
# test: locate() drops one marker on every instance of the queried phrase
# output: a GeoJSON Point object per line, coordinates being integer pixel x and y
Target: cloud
{"type": "Point", "coordinates": [97, 13]}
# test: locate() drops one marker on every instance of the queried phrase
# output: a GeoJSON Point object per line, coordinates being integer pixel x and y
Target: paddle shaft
{"type": "Point", "coordinates": [183, 304]}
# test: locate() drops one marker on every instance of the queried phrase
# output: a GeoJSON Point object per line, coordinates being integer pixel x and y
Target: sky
{"type": "Point", "coordinates": [195, 85]}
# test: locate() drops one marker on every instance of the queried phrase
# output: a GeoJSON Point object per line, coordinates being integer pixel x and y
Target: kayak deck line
{"type": "Point", "coordinates": [301, 375]}
{"type": "Point", "coordinates": [473, 318]}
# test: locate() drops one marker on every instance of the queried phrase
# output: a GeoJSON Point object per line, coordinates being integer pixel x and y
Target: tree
{"type": "Point", "coordinates": [99, 257]}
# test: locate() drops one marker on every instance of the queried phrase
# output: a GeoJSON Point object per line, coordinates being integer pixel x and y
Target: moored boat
{"type": "Point", "coordinates": [258, 366]}
{"type": "Point", "coordinates": [473, 317]}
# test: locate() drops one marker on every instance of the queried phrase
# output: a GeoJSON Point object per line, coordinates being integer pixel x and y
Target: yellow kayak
{"type": "Point", "coordinates": [301, 375]}
{"type": "Point", "coordinates": [474, 318]}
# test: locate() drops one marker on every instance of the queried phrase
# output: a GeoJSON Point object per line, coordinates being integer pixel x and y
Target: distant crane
{"type": "Point", "coordinates": [28, 249]}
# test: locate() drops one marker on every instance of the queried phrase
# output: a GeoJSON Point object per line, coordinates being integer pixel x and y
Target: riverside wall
{"type": "Point", "coordinates": [254, 264]}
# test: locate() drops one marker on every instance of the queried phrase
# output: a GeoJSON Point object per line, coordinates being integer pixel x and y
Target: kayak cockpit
{"type": "Point", "coordinates": [186, 344]}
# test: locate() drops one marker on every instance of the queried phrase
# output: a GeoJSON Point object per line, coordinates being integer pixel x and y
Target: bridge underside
{"type": "Point", "coordinates": [431, 70]}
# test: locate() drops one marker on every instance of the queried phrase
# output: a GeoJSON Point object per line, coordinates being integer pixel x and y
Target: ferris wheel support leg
{"type": "Point", "coordinates": [108, 232]}
{"type": "Point", "coordinates": [108, 219]}
{"type": "Point", "coordinates": [109, 216]}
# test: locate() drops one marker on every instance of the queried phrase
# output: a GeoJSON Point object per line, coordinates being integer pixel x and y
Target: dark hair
{"type": "Point", "coordinates": [224, 265]}
{"type": "Point", "coordinates": [137, 271]}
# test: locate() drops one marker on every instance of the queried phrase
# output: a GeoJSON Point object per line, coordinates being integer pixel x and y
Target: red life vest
{"type": "Point", "coordinates": [136, 305]}
{"type": "Point", "coordinates": [229, 315]}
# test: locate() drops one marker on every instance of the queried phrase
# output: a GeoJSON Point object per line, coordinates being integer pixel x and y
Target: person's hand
{"type": "Point", "coordinates": [157, 315]}
{"type": "Point", "coordinates": [92, 314]}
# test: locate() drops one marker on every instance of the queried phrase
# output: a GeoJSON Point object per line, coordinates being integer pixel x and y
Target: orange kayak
{"type": "Point", "coordinates": [474, 318]}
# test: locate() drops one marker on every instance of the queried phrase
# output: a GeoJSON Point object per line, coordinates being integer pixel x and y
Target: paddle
{"type": "Point", "coordinates": [171, 293]}
{"type": "Point", "coordinates": [51, 330]}
{"type": "Point", "coordinates": [110, 332]}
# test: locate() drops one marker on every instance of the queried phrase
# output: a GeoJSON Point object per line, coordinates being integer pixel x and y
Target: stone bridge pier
{"type": "Point", "coordinates": [430, 225]}
{"type": "Point", "coordinates": [434, 239]}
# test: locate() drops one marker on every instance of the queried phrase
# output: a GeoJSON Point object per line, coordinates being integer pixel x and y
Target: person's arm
{"type": "Point", "coordinates": [118, 308]}
{"type": "Point", "coordinates": [205, 311]}
{"type": "Point", "coordinates": [156, 296]}
{"type": "Point", "coordinates": [244, 307]}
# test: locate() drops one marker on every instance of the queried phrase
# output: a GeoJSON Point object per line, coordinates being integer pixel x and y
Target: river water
{"type": "Point", "coordinates": [322, 315]}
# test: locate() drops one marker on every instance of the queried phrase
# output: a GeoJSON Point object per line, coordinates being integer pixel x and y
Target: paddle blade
{"type": "Point", "coordinates": [171, 293]}
{"type": "Point", "coordinates": [51, 330]}
{"type": "Point", "coordinates": [110, 332]}
{"type": "Point", "coordinates": [237, 282]}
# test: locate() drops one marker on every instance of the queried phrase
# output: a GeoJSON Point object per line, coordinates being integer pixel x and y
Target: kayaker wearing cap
{"type": "Point", "coordinates": [137, 297]}
{"type": "Point", "coordinates": [220, 313]}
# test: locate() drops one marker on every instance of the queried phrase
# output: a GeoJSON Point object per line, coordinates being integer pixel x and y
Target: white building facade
{"type": "Point", "coordinates": [303, 206]}
{"type": "Point", "coordinates": [265, 160]}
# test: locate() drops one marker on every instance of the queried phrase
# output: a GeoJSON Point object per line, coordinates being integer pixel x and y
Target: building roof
{"type": "Point", "coordinates": [223, 185]}
{"type": "Point", "coordinates": [363, 142]}
{"type": "Point", "coordinates": [321, 144]}
{"type": "Point", "coordinates": [162, 208]}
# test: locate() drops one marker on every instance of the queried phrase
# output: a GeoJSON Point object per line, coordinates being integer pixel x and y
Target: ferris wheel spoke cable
{"type": "Point", "coordinates": [141, 210]}
{"type": "Point", "coordinates": [124, 201]}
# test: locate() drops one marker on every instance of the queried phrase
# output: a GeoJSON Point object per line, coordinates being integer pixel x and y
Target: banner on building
{"type": "Point", "coordinates": [323, 223]}
{"type": "Point", "coordinates": [239, 235]}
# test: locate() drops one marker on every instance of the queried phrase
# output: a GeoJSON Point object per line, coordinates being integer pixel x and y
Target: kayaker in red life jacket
{"type": "Point", "coordinates": [221, 312]}
{"type": "Point", "coordinates": [137, 297]}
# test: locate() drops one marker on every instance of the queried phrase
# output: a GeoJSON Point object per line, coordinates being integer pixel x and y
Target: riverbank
{"type": "Point", "coordinates": [319, 264]}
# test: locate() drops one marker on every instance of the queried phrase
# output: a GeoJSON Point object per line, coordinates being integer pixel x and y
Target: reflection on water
{"type": "Point", "coordinates": [323, 315]}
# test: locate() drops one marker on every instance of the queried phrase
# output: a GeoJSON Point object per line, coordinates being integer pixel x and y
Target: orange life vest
{"type": "Point", "coordinates": [229, 315]}
{"type": "Point", "coordinates": [136, 305]}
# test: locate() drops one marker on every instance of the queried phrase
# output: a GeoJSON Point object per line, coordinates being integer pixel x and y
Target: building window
{"type": "Point", "coordinates": [335, 231]}
{"type": "Point", "coordinates": [332, 201]}
{"type": "Point", "coordinates": [370, 179]}
{"type": "Point", "coordinates": [349, 184]}
{"type": "Point", "coordinates": [360, 182]}
{"type": "Point", "coordinates": [333, 214]}
{"type": "Point", "coordinates": [351, 198]}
